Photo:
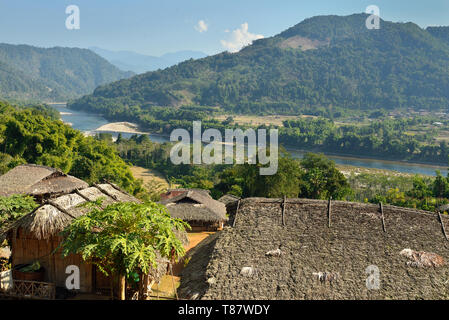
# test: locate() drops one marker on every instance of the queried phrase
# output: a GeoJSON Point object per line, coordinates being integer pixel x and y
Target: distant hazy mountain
{"type": "Point", "coordinates": [52, 74]}
{"type": "Point", "coordinates": [326, 61]}
{"type": "Point", "coordinates": [140, 63]}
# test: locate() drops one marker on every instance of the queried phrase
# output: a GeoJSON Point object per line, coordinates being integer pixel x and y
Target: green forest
{"type": "Point", "coordinates": [314, 177]}
{"type": "Point", "coordinates": [30, 73]}
{"type": "Point", "coordinates": [28, 135]}
{"type": "Point", "coordinates": [350, 68]}
{"type": "Point", "coordinates": [33, 134]}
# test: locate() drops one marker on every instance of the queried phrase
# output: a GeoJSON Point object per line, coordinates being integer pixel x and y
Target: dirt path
{"type": "Point", "coordinates": [165, 288]}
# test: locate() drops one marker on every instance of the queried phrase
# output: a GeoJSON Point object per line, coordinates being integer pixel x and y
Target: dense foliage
{"type": "Point", "coordinates": [27, 136]}
{"type": "Point", "coordinates": [351, 67]}
{"type": "Point", "coordinates": [396, 139]}
{"type": "Point", "coordinates": [125, 238]}
{"type": "Point", "coordinates": [31, 73]}
{"type": "Point", "coordinates": [14, 207]}
{"type": "Point", "coordinates": [313, 177]}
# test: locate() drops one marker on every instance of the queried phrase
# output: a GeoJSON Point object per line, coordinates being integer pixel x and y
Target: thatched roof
{"type": "Point", "coordinates": [261, 258]}
{"type": "Point", "coordinates": [171, 193]}
{"type": "Point", "coordinates": [38, 180]}
{"type": "Point", "coordinates": [202, 191]}
{"type": "Point", "coordinates": [53, 216]}
{"type": "Point", "coordinates": [229, 199]}
{"type": "Point", "coordinates": [192, 205]}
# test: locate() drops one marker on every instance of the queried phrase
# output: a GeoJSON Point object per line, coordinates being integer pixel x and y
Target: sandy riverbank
{"type": "Point", "coordinates": [125, 127]}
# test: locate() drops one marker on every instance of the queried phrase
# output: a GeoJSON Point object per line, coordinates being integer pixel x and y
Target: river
{"type": "Point", "coordinates": [88, 123]}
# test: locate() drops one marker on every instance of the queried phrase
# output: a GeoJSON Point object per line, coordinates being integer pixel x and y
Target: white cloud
{"type": "Point", "coordinates": [201, 26]}
{"type": "Point", "coordinates": [240, 38]}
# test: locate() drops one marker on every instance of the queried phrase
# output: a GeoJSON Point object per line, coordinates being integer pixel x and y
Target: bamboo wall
{"type": "Point", "coordinates": [27, 249]}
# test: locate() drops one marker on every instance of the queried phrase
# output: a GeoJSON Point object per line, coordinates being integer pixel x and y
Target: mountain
{"type": "Point", "coordinates": [140, 63]}
{"type": "Point", "coordinates": [52, 74]}
{"type": "Point", "coordinates": [331, 62]}
{"type": "Point", "coordinates": [441, 33]}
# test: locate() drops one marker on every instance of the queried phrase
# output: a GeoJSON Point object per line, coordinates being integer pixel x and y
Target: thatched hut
{"type": "Point", "coordinates": [38, 181]}
{"type": "Point", "coordinates": [35, 236]}
{"type": "Point", "coordinates": [197, 208]}
{"type": "Point", "coordinates": [298, 249]}
{"type": "Point", "coordinates": [171, 193]}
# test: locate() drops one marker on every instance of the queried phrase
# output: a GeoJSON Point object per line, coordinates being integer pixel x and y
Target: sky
{"type": "Point", "coordinates": [157, 27]}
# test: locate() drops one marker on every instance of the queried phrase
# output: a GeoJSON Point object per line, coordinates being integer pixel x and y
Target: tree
{"type": "Point", "coordinates": [322, 179]}
{"type": "Point", "coordinates": [440, 186]}
{"type": "Point", "coordinates": [14, 207]}
{"type": "Point", "coordinates": [124, 239]}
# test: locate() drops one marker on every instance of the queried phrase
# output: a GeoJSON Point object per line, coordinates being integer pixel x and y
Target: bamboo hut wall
{"type": "Point", "coordinates": [27, 249]}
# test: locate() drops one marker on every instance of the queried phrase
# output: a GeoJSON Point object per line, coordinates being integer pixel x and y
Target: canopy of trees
{"type": "Point", "coordinates": [351, 67]}
{"type": "Point", "coordinates": [125, 238]}
{"type": "Point", "coordinates": [56, 74]}
{"type": "Point", "coordinates": [27, 136]}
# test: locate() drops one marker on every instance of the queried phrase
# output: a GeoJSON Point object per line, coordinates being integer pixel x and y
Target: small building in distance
{"type": "Point", "coordinates": [38, 181]}
{"type": "Point", "coordinates": [196, 207]}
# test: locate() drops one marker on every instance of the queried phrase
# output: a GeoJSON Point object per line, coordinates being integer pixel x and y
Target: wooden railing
{"type": "Point", "coordinates": [32, 290]}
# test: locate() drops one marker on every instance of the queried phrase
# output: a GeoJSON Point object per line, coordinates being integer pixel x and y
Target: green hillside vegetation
{"type": "Point", "coordinates": [28, 136]}
{"type": "Point", "coordinates": [314, 177]}
{"type": "Point", "coordinates": [52, 74]}
{"type": "Point", "coordinates": [441, 33]}
{"type": "Point", "coordinates": [327, 62]}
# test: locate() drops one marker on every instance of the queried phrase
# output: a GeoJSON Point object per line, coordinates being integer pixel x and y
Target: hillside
{"type": "Point", "coordinates": [53, 74]}
{"type": "Point", "coordinates": [29, 135]}
{"type": "Point", "coordinates": [323, 61]}
{"type": "Point", "coordinates": [441, 33]}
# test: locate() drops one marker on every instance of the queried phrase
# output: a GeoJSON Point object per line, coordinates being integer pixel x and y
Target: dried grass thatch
{"type": "Point", "coordinates": [354, 241]}
{"type": "Point", "coordinates": [196, 206]}
{"type": "Point", "coordinates": [52, 217]}
{"type": "Point", "coordinates": [38, 180]}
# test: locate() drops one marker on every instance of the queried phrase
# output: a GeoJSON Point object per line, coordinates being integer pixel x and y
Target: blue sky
{"type": "Point", "coordinates": [157, 27]}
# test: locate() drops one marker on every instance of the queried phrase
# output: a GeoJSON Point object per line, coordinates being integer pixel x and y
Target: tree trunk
{"type": "Point", "coordinates": [122, 287]}
{"type": "Point", "coordinates": [144, 295]}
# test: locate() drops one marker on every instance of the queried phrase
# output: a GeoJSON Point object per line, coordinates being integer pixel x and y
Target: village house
{"type": "Point", "coordinates": [308, 249]}
{"type": "Point", "coordinates": [38, 181]}
{"type": "Point", "coordinates": [196, 207]}
{"type": "Point", "coordinates": [36, 236]}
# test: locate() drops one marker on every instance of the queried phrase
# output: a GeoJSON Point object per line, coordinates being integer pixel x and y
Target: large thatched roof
{"type": "Point", "coordinates": [53, 216]}
{"type": "Point", "coordinates": [38, 180]}
{"type": "Point", "coordinates": [297, 255]}
{"type": "Point", "coordinates": [192, 205]}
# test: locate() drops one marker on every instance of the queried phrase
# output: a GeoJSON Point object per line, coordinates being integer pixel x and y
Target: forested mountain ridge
{"type": "Point", "coordinates": [52, 74]}
{"type": "Point", "coordinates": [441, 33]}
{"type": "Point", "coordinates": [325, 61]}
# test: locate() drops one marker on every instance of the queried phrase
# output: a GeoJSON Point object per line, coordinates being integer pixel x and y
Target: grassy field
{"type": "Point", "coordinates": [366, 183]}
{"type": "Point", "coordinates": [148, 175]}
{"type": "Point", "coordinates": [257, 120]}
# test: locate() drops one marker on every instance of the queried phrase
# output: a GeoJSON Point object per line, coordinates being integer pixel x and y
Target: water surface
{"type": "Point", "coordinates": [88, 122]}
